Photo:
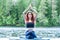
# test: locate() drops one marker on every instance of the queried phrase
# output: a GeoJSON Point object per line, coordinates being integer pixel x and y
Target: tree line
{"type": "Point", "coordinates": [11, 12]}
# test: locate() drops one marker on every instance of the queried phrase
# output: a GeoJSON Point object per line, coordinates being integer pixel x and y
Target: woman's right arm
{"type": "Point", "coordinates": [25, 19]}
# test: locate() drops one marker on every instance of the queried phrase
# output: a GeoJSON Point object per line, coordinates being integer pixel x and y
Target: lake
{"type": "Point", "coordinates": [19, 33]}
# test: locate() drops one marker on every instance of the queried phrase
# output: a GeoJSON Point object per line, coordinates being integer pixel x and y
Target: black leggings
{"type": "Point", "coordinates": [30, 25]}
{"type": "Point", "coordinates": [30, 35]}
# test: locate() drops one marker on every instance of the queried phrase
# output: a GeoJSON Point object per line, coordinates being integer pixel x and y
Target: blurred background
{"type": "Point", "coordinates": [11, 12]}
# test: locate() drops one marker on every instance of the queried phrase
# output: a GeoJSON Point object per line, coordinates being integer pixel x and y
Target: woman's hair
{"type": "Point", "coordinates": [27, 18]}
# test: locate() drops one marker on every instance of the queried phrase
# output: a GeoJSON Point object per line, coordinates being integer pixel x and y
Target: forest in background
{"type": "Point", "coordinates": [11, 12]}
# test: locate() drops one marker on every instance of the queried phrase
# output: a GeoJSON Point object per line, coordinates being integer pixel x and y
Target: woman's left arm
{"type": "Point", "coordinates": [35, 19]}
{"type": "Point", "coordinates": [35, 22]}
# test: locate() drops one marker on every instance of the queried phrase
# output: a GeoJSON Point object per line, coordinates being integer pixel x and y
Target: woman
{"type": "Point", "coordinates": [30, 20]}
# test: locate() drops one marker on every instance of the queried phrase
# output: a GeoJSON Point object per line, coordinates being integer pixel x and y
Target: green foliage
{"type": "Point", "coordinates": [11, 12]}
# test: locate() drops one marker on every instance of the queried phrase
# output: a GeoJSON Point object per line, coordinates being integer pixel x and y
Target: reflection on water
{"type": "Point", "coordinates": [20, 32]}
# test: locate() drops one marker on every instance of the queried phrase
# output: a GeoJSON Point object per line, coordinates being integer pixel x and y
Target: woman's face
{"type": "Point", "coordinates": [29, 15]}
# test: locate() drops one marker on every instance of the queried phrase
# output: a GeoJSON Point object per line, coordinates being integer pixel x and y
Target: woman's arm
{"type": "Point", "coordinates": [35, 22]}
{"type": "Point", "coordinates": [35, 19]}
{"type": "Point", "coordinates": [25, 18]}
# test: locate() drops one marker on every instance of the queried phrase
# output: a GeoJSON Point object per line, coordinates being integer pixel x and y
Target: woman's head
{"type": "Point", "coordinates": [30, 16]}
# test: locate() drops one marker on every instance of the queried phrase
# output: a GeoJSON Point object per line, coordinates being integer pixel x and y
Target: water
{"type": "Point", "coordinates": [19, 33]}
